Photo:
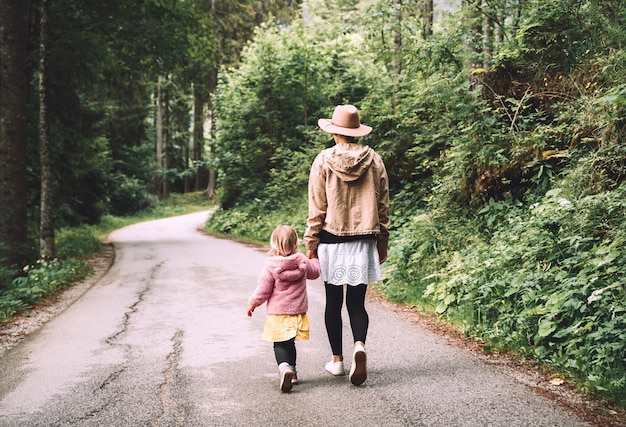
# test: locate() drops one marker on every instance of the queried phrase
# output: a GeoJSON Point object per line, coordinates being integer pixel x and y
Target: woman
{"type": "Point", "coordinates": [347, 230]}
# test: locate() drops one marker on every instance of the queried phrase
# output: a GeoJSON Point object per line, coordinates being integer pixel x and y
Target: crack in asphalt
{"type": "Point", "coordinates": [112, 398]}
{"type": "Point", "coordinates": [168, 403]}
{"type": "Point", "coordinates": [111, 340]}
{"type": "Point", "coordinates": [100, 408]}
{"type": "Point", "coordinates": [134, 308]}
{"type": "Point", "coordinates": [111, 378]}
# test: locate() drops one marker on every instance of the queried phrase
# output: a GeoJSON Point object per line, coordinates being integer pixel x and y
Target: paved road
{"type": "Point", "coordinates": [163, 340]}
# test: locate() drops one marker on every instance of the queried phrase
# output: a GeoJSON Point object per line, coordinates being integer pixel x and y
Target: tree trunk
{"type": "Point", "coordinates": [487, 34]}
{"type": "Point", "coordinates": [186, 168]}
{"type": "Point", "coordinates": [13, 91]}
{"type": "Point", "coordinates": [397, 46]}
{"type": "Point", "coordinates": [472, 14]}
{"type": "Point", "coordinates": [212, 184]}
{"type": "Point", "coordinates": [210, 191]}
{"type": "Point", "coordinates": [46, 222]}
{"type": "Point", "coordinates": [159, 137]}
{"type": "Point", "coordinates": [498, 29]}
{"type": "Point", "coordinates": [165, 138]}
{"type": "Point", "coordinates": [198, 132]}
{"type": "Point", "coordinates": [428, 18]}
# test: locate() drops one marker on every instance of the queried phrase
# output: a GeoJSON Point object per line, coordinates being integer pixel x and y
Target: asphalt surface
{"type": "Point", "coordinates": [163, 340]}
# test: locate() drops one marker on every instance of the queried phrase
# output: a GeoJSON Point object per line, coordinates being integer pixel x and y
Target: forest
{"type": "Point", "coordinates": [501, 124]}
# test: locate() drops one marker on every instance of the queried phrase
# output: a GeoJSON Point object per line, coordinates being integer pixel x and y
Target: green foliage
{"type": "Point", "coordinates": [128, 196]}
{"type": "Point", "coordinates": [551, 36]}
{"type": "Point", "coordinates": [535, 267]}
{"type": "Point", "coordinates": [254, 221]}
{"type": "Point", "coordinates": [416, 251]}
{"type": "Point", "coordinates": [549, 283]}
{"type": "Point", "coordinates": [76, 243]}
{"type": "Point", "coordinates": [267, 106]}
{"type": "Point", "coordinates": [42, 279]}
{"type": "Point", "coordinates": [45, 278]}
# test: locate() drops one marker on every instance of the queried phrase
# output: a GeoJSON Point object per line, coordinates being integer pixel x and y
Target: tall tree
{"type": "Point", "coordinates": [13, 91]}
{"type": "Point", "coordinates": [474, 47]}
{"type": "Point", "coordinates": [203, 66]}
{"type": "Point", "coordinates": [232, 24]}
{"type": "Point", "coordinates": [397, 49]}
{"type": "Point", "coordinates": [159, 133]}
{"type": "Point", "coordinates": [487, 34]}
{"type": "Point", "coordinates": [46, 223]}
{"type": "Point", "coordinates": [428, 12]}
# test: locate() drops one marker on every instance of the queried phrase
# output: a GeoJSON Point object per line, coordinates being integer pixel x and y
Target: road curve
{"type": "Point", "coordinates": [163, 340]}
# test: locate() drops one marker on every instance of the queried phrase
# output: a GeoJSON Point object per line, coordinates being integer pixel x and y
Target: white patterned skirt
{"type": "Point", "coordinates": [351, 263]}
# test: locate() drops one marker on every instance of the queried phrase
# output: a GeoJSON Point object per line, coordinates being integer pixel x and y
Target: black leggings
{"type": "Point", "coordinates": [285, 351]}
{"type": "Point", "coordinates": [355, 303]}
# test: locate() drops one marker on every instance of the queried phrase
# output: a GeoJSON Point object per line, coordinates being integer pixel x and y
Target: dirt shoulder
{"type": "Point", "coordinates": [539, 379]}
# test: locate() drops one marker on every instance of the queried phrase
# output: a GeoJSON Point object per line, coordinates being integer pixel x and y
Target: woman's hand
{"type": "Point", "coordinates": [250, 310]}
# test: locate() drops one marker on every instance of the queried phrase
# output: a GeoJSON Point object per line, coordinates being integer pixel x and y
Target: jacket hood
{"type": "Point", "coordinates": [349, 160]}
{"type": "Point", "coordinates": [290, 268]}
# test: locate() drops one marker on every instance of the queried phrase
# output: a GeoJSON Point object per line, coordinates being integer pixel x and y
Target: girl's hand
{"type": "Point", "coordinates": [250, 310]}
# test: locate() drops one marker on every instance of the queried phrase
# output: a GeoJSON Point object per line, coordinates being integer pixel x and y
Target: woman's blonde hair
{"type": "Point", "coordinates": [284, 241]}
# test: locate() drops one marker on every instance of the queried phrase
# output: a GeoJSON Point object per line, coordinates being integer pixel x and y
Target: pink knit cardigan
{"type": "Point", "coordinates": [282, 284]}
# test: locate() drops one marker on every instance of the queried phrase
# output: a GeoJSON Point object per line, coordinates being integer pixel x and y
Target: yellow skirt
{"type": "Point", "coordinates": [283, 327]}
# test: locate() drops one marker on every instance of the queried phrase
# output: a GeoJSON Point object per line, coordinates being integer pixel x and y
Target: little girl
{"type": "Point", "coordinates": [282, 284]}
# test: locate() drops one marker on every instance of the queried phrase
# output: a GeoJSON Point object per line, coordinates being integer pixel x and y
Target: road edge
{"type": "Point", "coordinates": [29, 321]}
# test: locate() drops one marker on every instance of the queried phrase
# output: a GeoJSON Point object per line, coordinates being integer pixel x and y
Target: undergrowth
{"type": "Point", "coordinates": [546, 281]}
{"type": "Point", "coordinates": [255, 222]}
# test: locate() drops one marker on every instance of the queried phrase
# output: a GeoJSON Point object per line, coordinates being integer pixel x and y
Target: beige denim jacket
{"type": "Point", "coordinates": [348, 194]}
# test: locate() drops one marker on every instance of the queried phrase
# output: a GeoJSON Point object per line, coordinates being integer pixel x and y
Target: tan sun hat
{"type": "Point", "coordinates": [345, 121]}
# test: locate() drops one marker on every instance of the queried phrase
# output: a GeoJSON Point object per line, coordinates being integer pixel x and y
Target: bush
{"type": "Point", "coordinates": [6, 273]}
{"type": "Point", "coordinates": [79, 243]}
{"type": "Point", "coordinates": [254, 223]}
{"type": "Point", "coordinates": [548, 283]}
{"type": "Point", "coordinates": [128, 196]}
{"type": "Point", "coordinates": [42, 279]}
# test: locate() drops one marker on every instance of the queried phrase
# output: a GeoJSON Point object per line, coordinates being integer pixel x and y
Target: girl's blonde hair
{"type": "Point", "coordinates": [284, 241]}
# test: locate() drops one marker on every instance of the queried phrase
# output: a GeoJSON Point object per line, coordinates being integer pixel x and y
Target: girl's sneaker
{"type": "Point", "coordinates": [335, 368]}
{"type": "Point", "coordinates": [286, 377]}
{"type": "Point", "coordinates": [294, 380]}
